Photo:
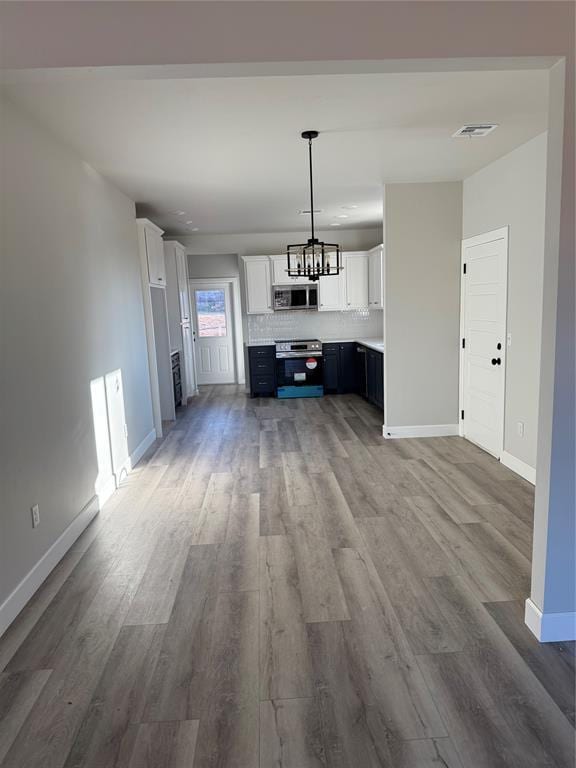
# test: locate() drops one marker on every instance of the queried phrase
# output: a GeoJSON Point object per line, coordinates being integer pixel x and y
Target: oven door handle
{"type": "Point", "coordinates": [296, 355]}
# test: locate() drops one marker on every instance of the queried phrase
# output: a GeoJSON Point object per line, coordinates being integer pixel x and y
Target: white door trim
{"type": "Point", "coordinates": [486, 237]}
{"type": "Point", "coordinates": [234, 283]}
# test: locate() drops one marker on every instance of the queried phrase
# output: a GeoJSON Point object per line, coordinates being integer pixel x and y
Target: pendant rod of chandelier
{"type": "Point", "coordinates": [314, 258]}
{"type": "Point", "coordinates": [311, 186]}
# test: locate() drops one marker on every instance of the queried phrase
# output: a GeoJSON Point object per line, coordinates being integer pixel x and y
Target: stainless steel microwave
{"type": "Point", "coordinates": [295, 297]}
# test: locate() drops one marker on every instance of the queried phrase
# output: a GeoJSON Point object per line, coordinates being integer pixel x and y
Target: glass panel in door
{"type": "Point", "coordinates": [214, 321]}
{"type": "Point", "coordinates": [211, 313]}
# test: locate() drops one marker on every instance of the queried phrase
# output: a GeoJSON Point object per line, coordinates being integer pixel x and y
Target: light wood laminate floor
{"type": "Point", "coordinates": [276, 586]}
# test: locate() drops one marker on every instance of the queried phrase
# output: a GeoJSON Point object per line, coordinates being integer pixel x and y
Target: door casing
{"type": "Point", "coordinates": [236, 312]}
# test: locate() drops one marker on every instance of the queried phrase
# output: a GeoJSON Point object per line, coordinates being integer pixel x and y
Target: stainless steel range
{"type": "Point", "coordinates": [299, 368]}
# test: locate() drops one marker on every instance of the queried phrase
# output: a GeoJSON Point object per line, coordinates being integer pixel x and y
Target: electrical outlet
{"type": "Point", "coordinates": [520, 428]}
{"type": "Point", "coordinates": [35, 516]}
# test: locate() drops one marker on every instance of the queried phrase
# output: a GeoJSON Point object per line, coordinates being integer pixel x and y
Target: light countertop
{"type": "Point", "coordinates": [376, 344]}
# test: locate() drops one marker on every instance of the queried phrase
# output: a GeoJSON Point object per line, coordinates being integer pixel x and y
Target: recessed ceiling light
{"type": "Point", "coordinates": [307, 212]}
{"type": "Point", "coordinates": [193, 229]}
{"type": "Point", "coordinates": [342, 215]}
{"type": "Point", "coordinates": [190, 221]}
{"type": "Point", "coordinates": [349, 207]}
{"type": "Point", "coordinates": [180, 213]}
{"type": "Point", "coordinates": [335, 224]}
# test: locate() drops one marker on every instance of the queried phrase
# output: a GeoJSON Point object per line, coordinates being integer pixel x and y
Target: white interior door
{"type": "Point", "coordinates": [483, 345]}
{"type": "Point", "coordinates": [214, 326]}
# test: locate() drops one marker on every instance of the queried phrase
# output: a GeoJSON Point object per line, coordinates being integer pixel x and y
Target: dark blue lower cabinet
{"type": "Point", "coordinates": [361, 370]}
{"type": "Point", "coordinates": [262, 371]}
{"type": "Point", "coordinates": [339, 368]}
{"type": "Point", "coordinates": [380, 381]}
{"type": "Point", "coordinates": [375, 378]}
{"type": "Point", "coordinates": [330, 372]}
{"type": "Point", "coordinates": [347, 367]}
{"type": "Point", "coordinates": [348, 377]}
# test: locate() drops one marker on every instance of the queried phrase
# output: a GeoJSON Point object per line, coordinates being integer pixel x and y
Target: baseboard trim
{"type": "Point", "coordinates": [105, 490]}
{"type": "Point", "coordinates": [141, 449]}
{"type": "Point", "coordinates": [427, 430]}
{"type": "Point", "coordinates": [518, 466]}
{"type": "Point", "coordinates": [14, 603]}
{"type": "Point", "coordinates": [550, 627]}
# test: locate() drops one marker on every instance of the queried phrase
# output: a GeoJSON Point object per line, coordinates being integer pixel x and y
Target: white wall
{"type": "Point", "coordinates": [423, 230]}
{"type": "Point", "coordinates": [269, 243]}
{"type": "Point", "coordinates": [71, 311]}
{"type": "Point", "coordinates": [551, 609]}
{"type": "Point", "coordinates": [212, 265]}
{"type": "Point", "coordinates": [511, 191]}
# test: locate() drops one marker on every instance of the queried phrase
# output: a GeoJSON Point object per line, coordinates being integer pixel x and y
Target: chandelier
{"type": "Point", "coordinates": [314, 259]}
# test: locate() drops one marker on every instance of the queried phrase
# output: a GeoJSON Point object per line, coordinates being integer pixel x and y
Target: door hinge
{"type": "Point", "coordinates": [464, 268]}
{"type": "Point", "coordinates": [461, 414]}
{"type": "Point", "coordinates": [463, 343]}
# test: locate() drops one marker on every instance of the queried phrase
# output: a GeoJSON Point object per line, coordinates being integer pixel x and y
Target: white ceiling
{"type": "Point", "coordinates": [227, 151]}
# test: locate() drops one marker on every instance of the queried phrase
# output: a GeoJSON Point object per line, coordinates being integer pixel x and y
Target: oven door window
{"type": "Point", "coordinates": [299, 371]}
{"type": "Point", "coordinates": [313, 297]}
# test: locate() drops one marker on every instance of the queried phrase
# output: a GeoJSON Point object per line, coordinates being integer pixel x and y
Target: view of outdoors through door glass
{"type": "Point", "coordinates": [211, 313]}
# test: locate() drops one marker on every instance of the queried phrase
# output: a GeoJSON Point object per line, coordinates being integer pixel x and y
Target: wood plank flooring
{"type": "Point", "coordinates": [276, 586]}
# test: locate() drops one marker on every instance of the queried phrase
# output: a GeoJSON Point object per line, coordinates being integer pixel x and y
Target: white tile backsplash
{"type": "Point", "coordinates": [302, 324]}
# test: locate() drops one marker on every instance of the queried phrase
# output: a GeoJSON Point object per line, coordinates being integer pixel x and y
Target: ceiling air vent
{"type": "Point", "coordinates": [476, 130]}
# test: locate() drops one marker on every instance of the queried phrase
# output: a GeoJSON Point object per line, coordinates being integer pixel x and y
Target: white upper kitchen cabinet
{"type": "Point", "coordinates": [331, 293]}
{"type": "Point", "coordinates": [258, 285]}
{"type": "Point", "coordinates": [154, 247]}
{"type": "Point", "coordinates": [375, 277]}
{"type": "Point", "coordinates": [279, 275]}
{"type": "Point", "coordinates": [356, 280]}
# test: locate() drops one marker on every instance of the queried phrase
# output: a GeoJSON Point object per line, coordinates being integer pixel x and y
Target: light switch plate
{"type": "Point", "coordinates": [35, 516]}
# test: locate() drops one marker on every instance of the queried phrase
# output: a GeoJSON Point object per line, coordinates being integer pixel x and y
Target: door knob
{"type": "Point", "coordinates": [496, 361]}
